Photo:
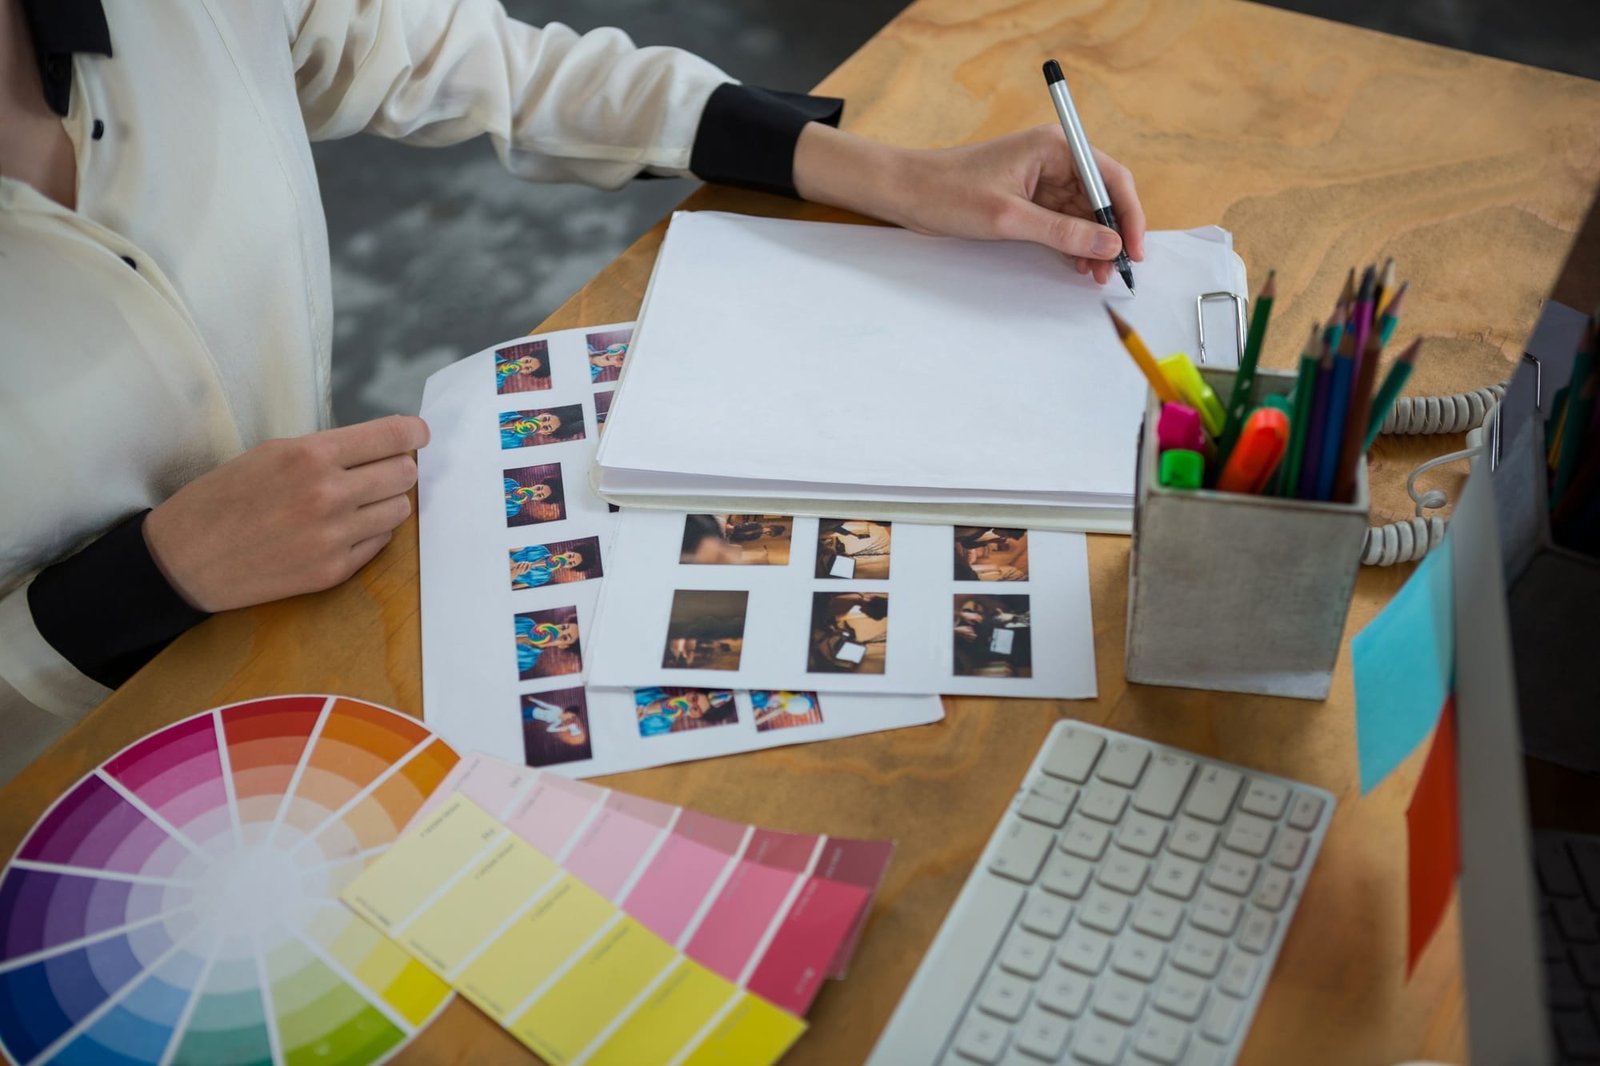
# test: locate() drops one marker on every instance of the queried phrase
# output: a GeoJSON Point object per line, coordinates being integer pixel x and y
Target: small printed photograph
{"type": "Point", "coordinates": [534, 495]}
{"type": "Point", "coordinates": [849, 632]}
{"type": "Point", "coordinates": [606, 354]}
{"type": "Point", "coordinates": [781, 710]}
{"type": "Point", "coordinates": [522, 367]}
{"type": "Point", "coordinates": [852, 549]}
{"type": "Point", "coordinates": [736, 539]}
{"type": "Point", "coordinates": [705, 630]}
{"type": "Point", "coordinates": [678, 710]}
{"type": "Point", "coordinates": [528, 429]}
{"type": "Point", "coordinates": [555, 727]}
{"type": "Point", "coordinates": [602, 409]}
{"type": "Point", "coordinates": [993, 637]}
{"type": "Point", "coordinates": [561, 562]}
{"type": "Point", "coordinates": [547, 643]}
{"type": "Point", "coordinates": [989, 553]}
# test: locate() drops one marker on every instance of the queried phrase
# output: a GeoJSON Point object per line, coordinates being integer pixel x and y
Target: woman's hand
{"type": "Point", "coordinates": [1019, 187]}
{"type": "Point", "coordinates": [288, 516]}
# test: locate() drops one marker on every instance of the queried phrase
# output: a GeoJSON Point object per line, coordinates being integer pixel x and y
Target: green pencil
{"type": "Point", "coordinates": [1244, 381]}
{"type": "Point", "coordinates": [1304, 385]}
{"type": "Point", "coordinates": [1389, 391]}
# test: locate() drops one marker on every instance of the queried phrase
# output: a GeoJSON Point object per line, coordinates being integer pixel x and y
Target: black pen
{"type": "Point", "coordinates": [1088, 171]}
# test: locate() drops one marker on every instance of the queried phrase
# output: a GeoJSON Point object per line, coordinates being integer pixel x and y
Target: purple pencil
{"type": "Point", "coordinates": [1311, 464]}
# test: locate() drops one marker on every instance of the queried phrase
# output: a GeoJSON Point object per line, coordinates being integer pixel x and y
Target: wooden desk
{"type": "Point", "coordinates": [1319, 146]}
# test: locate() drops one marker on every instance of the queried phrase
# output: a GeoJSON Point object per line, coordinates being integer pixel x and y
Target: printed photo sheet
{"type": "Point", "coordinates": [803, 603]}
{"type": "Point", "coordinates": [514, 549]}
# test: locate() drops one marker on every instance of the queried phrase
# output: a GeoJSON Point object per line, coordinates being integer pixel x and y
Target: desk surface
{"type": "Point", "coordinates": [1319, 146]}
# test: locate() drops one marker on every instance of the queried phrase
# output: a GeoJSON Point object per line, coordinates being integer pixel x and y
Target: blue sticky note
{"type": "Point", "coordinates": [1405, 667]}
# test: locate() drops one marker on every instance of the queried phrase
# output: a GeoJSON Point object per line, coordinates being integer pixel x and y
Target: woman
{"type": "Point", "coordinates": [610, 356]}
{"type": "Point", "coordinates": [659, 712]}
{"type": "Point", "coordinates": [521, 372]}
{"type": "Point", "coordinates": [519, 429]}
{"type": "Point", "coordinates": [536, 566]}
{"type": "Point", "coordinates": [565, 725]}
{"type": "Point", "coordinates": [535, 638]}
{"type": "Point", "coordinates": [520, 496]}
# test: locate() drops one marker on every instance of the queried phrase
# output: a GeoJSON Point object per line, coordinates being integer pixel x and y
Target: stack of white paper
{"type": "Point", "coordinates": [796, 367]}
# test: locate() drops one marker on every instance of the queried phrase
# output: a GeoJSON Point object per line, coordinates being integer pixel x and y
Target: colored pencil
{"type": "Point", "coordinates": [1351, 452]}
{"type": "Point", "coordinates": [1344, 373]}
{"type": "Point", "coordinates": [1244, 381]}
{"type": "Point", "coordinates": [1390, 318]}
{"type": "Point", "coordinates": [1341, 310]}
{"type": "Point", "coordinates": [1390, 391]}
{"type": "Point", "coordinates": [1311, 460]}
{"type": "Point", "coordinates": [1385, 292]}
{"type": "Point", "coordinates": [1145, 361]}
{"type": "Point", "coordinates": [1305, 384]}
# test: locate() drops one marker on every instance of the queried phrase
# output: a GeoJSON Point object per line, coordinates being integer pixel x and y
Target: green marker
{"type": "Point", "coordinates": [1244, 382]}
{"type": "Point", "coordinates": [1182, 468]}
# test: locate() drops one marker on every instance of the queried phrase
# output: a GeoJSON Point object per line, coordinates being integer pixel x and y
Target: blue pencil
{"type": "Point", "coordinates": [1333, 428]}
{"type": "Point", "coordinates": [1311, 461]}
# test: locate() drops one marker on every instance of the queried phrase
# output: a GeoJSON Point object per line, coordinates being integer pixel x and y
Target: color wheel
{"type": "Point", "coordinates": [180, 903]}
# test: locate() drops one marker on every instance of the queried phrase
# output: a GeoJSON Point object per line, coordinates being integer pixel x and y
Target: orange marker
{"type": "Point", "coordinates": [1261, 445]}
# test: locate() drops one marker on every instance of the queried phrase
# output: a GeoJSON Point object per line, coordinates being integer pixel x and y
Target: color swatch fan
{"type": "Point", "coordinates": [180, 903]}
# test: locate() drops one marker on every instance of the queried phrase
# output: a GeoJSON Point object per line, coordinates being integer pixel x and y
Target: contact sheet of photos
{"type": "Point", "coordinates": [846, 604]}
{"type": "Point", "coordinates": [511, 579]}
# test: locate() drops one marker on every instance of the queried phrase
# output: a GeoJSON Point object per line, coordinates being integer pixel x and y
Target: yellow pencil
{"type": "Point", "coordinates": [1147, 363]}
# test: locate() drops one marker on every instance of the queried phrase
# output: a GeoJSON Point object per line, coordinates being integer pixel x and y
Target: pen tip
{"type": "Point", "coordinates": [1052, 72]}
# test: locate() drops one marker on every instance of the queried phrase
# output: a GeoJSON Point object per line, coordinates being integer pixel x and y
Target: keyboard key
{"type": "Point", "coordinates": [1103, 801]}
{"type": "Point", "coordinates": [1004, 996]}
{"type": "Point", "coordinates": [1064, 992]}
{"type": "Point", "coordinates": [1205, 1053]}
{"type": "Point", "coordinates": [1557, 873]}
{"type": "Point", "coordinates": [1175, 877]}
{"type": "Point", "coordinates": [1053, 788]}
{"type": "Point", "coordinates": [1065, 875]}
{"type": "Point", "coordinates": [1161, 1039]}
{"type": "Point", "coordinates": [1044, 914]}
{"type": "Point", "coordinates": [1249, 834]}
{"type": "Point", "coordinates": [982, 1039]}
{"type": "Point", "coordinates": [1577, 1034]}
{"type": "Point", "coordinates": [1274, 890]}
{"type": "Point", "coordinates": [1221, 1018]}
{"type": "Point", "coordinates": [1238, 975]}
{"type": "Point", "coordinates": [1103, 910]}
{"type": "Point", "coordinates": [1233, 873]}
{"type": "Point", "coordinates": [1023, 847]}
{"type": "Point", "coordinates": [1215, 912]}
{"type": "Point", "coordinates": [1256, 932]}
{"type": "Point", "coordinates": [1305, 811]}
{"type": "Point", "coordinates": [1291, 849]}
{"type": "Point", "coordinates": [1141, 833]}
{"type": "Point", "coordinates": [1199, 953]}
{"type": "Point", "coordinates": [1138, 957]}
{"type": "Point", "coordinates": [1162, 789]}
{"type": "Point", "coordinates": [1044, 810]}
{"type": "Point", "coordinates": [1026, 954]}
{"type": "Point", "coordinates": [1157, 916]}
{"type": "Point", "coordinates": [1099, 1042]}
{"type": "Point", "coordinates": [1213, 794]}
{"type": "Point", "coordinates": [1180, 995]}
{"type": "Point", "coordinates": [1043, 1035]}
{"type": "Point", "coordinates": [1266, 798]}
{"type": "Point", "coordinates": [1072, 754]}
{"type": "Point", "coordinates": [1085, 839]}
{"type": "Point", "coordinates": [1118, 999]}
{"type": "Point", "coordinates": [1192, 839]}
{"type": "Point", "coordinates": [1576, 921]}
{"type": "Point", "coordinates": [1124, 871]}
{"type": "Point", "coordinates": [1123, 762]}
{"type": "Point", "coordinates": [1084, 951]}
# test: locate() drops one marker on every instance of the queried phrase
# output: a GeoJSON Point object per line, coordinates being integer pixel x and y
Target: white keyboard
{"type": "Point", "coordinates": [1127, 909]}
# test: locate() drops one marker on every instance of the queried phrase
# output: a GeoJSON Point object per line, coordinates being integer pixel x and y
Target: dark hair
{"type": "Point", "coordinates": [725, 711]}
{"type": "Point", "coordinates": [697, 529]}
{"type": "Point", "coordinates": [557, 494]}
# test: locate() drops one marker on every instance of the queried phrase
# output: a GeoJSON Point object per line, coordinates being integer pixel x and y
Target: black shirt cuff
{"type": "Point", "coordinates": [108, 609]}
{"type": "Point", "coordinates": [747, 135]}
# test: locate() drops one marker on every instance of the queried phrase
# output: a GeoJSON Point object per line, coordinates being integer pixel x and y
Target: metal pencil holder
{"type": "Point", "coordinates": [1233, 592]}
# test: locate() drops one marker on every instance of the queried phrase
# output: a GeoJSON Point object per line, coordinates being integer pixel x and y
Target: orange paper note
{"type": "Point", "coordinates": [1433, 838]}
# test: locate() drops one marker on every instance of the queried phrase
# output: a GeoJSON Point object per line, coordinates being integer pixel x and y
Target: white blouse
{"type": "Point", "coordinates": [119, 384]}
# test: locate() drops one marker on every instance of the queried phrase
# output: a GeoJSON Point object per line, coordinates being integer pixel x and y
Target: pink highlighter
{"type": "Point", "coordinates": [1179, 427]}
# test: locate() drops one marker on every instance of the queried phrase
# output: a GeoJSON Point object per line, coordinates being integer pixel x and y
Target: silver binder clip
{"type": "Point", "coordinates": [1238, 319]}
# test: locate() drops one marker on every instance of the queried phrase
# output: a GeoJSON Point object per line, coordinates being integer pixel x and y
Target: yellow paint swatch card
{"type": "Point", "coordinates": [557, 964]}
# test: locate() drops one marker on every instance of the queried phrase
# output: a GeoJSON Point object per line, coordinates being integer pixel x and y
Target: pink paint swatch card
{"type": "Point", "coordinates": [771, 911]}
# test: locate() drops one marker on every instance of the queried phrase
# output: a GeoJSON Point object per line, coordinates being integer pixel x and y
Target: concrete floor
{"type": "Point", "coordinates": [438, 253]}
